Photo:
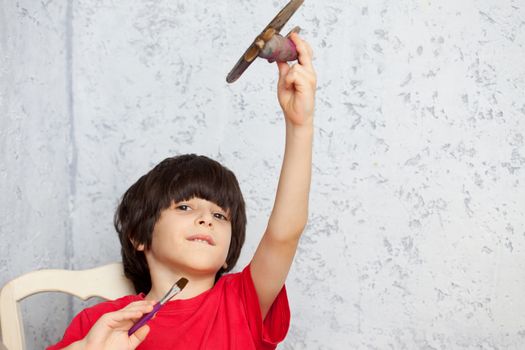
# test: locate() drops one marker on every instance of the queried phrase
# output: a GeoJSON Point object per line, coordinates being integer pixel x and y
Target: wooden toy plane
{"type": "Point", "coordinates": [270, 44]}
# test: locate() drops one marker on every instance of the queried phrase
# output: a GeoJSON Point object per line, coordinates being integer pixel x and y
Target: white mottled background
{"type": "Point", "coordinates": [416, 237]}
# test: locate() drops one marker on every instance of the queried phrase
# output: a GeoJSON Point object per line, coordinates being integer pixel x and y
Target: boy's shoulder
{"type": "Point", "coordinates": [228, 279]}
{"type": "Point", "coordinates": [233, 284]}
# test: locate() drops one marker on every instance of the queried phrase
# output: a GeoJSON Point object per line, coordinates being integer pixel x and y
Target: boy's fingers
{"type": "Point", "coordinates": [284, 69]}
{"type": "Point", "coordinates": [304, 51]}
{"type": "Point", "coordinates": [310, 50]}
{"type": "Point", "coordinates": [290, 78]}
{"type": "Point", "coordinates": [300, 77]}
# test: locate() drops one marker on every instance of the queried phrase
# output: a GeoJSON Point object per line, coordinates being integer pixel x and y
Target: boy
{"type": "Point", "coordinates": [186, 218]}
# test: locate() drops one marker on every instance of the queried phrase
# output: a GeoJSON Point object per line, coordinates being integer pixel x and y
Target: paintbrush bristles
{"type": "Point", "coordinates": [175, 289]}
{"type": "Point", "coordinates": [181, 283]}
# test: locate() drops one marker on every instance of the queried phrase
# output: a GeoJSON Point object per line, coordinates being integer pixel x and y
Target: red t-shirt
{"type": "Point", "coordinates": [228, 316]}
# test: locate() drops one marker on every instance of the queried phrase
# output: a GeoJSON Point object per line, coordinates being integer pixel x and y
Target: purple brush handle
{"type": "Point", "coordinates": [144, 319]}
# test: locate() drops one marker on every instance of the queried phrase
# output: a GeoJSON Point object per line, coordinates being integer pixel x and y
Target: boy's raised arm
{"type": "Point", "coordinates": [274, 255]}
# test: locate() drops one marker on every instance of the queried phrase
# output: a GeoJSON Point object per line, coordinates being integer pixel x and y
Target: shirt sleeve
{"type": "Point", "coordinates": [273, 329]}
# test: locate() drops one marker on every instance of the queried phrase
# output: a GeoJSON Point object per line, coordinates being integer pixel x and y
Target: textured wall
{"type": "Point", "coordinates": [416, 237]}
{"type": "Point", "coordinates": [35, 152]}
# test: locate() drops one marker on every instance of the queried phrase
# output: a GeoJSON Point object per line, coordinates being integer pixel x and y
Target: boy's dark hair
{"type": "Point", "coordinates": [172, 180]}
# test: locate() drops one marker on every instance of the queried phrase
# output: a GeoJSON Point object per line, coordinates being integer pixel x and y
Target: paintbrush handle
{"type": "Point", "coordinates": [144, 319]}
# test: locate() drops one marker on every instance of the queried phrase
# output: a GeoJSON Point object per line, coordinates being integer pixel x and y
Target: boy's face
{"type": "Point", "coordinates": [191, 237]}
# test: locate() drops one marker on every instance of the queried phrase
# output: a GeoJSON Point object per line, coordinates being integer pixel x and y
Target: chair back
{"type": "Point", "coordinates": [107, 282]}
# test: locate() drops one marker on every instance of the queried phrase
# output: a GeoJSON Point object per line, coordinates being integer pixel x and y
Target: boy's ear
{"type": "Point", "coordinates": [139, 247]}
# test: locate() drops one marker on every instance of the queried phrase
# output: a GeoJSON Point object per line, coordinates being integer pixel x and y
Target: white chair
{"type": "Point", "coordinates": [107, 282]}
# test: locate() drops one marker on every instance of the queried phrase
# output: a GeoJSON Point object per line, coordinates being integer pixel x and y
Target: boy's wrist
{"type": "Point", "coordinates": [305, 129]}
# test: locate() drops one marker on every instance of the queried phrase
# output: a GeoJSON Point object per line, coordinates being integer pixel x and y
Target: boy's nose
{"type": "Point", "coordinates": [204, 222]}
{"type": "Point", "coordinates": [204, 219]}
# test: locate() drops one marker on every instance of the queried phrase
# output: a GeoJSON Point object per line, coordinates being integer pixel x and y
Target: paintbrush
{"type": "Point", "coordinates": [175, 289]}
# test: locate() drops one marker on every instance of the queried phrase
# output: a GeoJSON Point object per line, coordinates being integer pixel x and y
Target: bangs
{"type": "Point", "coordinates": [206, 179]}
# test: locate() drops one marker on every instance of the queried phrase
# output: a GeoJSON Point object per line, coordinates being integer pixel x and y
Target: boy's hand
{"type": "Point", "coordinates": [297, 84]}
{"type": "Point", "coordinates": [111, 329]}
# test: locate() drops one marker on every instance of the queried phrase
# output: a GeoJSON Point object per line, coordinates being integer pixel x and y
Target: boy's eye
{"type": "Point", "coordinates": [182, 207]}
{"type": "Point", "coordinates": [220, 216]}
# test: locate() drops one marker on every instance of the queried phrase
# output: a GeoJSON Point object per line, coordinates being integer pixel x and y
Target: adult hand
{"type": "Point", "coordinates": [110, 332]}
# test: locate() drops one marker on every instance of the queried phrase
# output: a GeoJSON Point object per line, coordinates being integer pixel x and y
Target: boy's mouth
{"type": "Point", "coordinates": [205, 239]}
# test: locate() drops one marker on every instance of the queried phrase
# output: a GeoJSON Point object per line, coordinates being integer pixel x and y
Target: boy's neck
{"type": "Point", "coordinates": [162, 281]}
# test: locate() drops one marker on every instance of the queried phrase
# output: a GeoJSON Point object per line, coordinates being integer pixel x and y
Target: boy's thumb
{"type": "Point", "coordinates": [283, 69]}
